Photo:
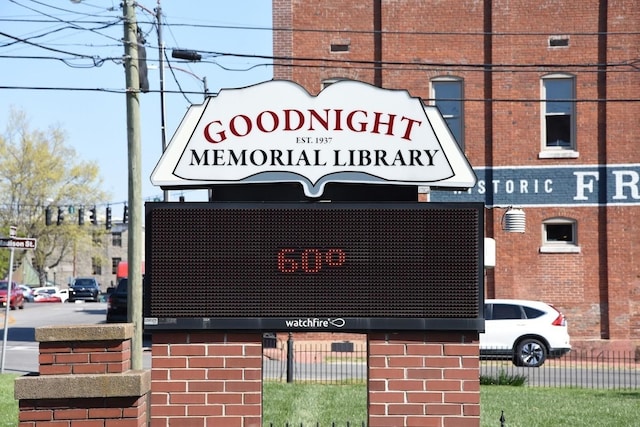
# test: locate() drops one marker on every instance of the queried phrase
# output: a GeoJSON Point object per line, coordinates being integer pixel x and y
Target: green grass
{"type": "Point", "coordinates": [312, 404]}
{"type": "Point", "coordinates": [8, 405]}
{"type": "Point", "coordinates": [308, 404]}
{"type": "Point", "coordinates": [533, 407]}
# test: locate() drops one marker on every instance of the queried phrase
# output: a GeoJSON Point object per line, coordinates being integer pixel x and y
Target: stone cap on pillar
{"type": "Point", "coordinates": [66, 333]}
{"type": "Point", "coordinates": [130, 383]}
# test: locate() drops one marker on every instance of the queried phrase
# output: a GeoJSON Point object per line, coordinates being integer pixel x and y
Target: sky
{"type": "Point", "coordinates": [65, 47]}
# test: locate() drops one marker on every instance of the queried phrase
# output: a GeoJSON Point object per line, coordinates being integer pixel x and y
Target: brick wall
{"type": "Point", "coordinates": [598, 288]}
{"type": "Point", "coordinates": [424, 379]}
{"type": "Point", "coordinates": [95, 357]}
{"type": "Point", "coordinates": [206, 379]}
{"type": "Point", "coordinates": [84, 380]}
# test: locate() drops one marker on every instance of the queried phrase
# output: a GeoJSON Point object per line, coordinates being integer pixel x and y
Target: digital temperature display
{"type": "Point", "coordinates": [313, 266]}
{"type": "Point", "coordinates": [291, 260]}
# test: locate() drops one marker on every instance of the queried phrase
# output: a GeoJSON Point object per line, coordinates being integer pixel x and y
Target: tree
{"type": "Point", "coordinates": [37, 170]}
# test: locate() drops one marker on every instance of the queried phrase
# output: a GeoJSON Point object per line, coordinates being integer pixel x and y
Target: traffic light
{"type": "Point", "coordinates": [125, 214]}
{"type": "Point", "coordinates": [47, 216]}
{"type": "Point", "coordinates": [92, 216]}
{"type": "Point", "coordinates": [81, 216]}
{"type": "Point", "coordinates": [60, 219]}
{"type": "Point", "coordinates": [108, 218]}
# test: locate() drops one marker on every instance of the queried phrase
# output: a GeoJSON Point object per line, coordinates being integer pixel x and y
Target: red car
{"type": "Point", "coordinates": [16, 298]}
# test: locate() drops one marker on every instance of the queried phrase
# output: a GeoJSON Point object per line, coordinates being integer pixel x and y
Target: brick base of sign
{"type": "Point", "coordinates": [84, 380]}
{"type": "Point", "coordinates": [206, 379]}
{"type": "Point", "coordinates": [424, 379]}
{"type": "Point", "coordinates": [414, 379]}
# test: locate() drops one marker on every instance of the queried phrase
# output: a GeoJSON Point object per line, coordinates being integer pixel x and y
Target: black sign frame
{"type": "Point", "coordinates": [398, 246]}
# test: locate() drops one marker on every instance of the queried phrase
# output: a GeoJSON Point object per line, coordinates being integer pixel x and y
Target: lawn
{"type": "Point", "coordinates": [312, 405]}
{"type": "Point", "coordinates": [533, 407]}
{"type": "Point", "coordinates": [522, 406]}
{"type": "Point", "coordinates": [8, 405]}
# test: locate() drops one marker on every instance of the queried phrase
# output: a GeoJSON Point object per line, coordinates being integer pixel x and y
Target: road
{"type": "Point", "coordinates": [22, 354]}
{"type": "Point", "coordinates": [22, 349]}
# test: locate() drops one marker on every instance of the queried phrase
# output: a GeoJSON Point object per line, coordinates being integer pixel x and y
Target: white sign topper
{"type": "Point", "coordinates": [351, 132]}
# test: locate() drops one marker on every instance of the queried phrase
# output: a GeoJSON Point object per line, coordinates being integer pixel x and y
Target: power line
{"type": "Point", "coordinates": [93, 58]}
{"type": "Point", "coordinates": [365, 32]}
{"type": "Point", "coordinates": [181, 92]}
{"type": "Point", "coordinates": [631, 65]}
{"type": "Point", "coordinates": [70, 24]}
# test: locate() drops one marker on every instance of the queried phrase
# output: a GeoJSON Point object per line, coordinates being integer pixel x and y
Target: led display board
{"type": "Point", "coordinates": [314, 266]}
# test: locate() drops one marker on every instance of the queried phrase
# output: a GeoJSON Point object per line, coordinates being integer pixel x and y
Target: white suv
{"type": "Point", "coordinates": [525, 331]}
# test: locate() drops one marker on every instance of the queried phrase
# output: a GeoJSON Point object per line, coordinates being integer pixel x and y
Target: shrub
{"type": "Point", "coordinates": [503, 379]}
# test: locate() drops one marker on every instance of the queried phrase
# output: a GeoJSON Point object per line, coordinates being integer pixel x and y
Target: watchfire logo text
{"type": "Point", "coordinates": [315, 323]}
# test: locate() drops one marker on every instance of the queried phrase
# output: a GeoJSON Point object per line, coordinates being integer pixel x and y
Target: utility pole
{"type": "Point", "coordinates": [163, 126]}
{"type": "Point", "coordinates": [134, 252]}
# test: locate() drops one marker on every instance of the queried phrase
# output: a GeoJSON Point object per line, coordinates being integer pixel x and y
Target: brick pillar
{"type": "Point", "coordinates": [206, 379]}
{"type": "Point", "coordinates": [424, 379]}
{"type": "Point", "coordinates": [84, 380]}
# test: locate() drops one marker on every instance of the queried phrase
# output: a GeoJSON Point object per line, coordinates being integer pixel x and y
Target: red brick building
{"type": "Point", "coordinates": [544, 98]}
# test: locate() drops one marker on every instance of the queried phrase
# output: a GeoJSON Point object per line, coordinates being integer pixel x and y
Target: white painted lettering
{"type": "Point", "coordinates": [509, 186]}
{"type": "Point", "coordinates": [481, 187]}
{"type": "Point", "coordinates": [629, 180]}
{"type": "Point", "coordinates": [585, 182]}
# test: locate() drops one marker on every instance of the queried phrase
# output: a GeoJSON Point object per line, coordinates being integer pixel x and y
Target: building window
{"type": "Point", "coordinates": [96, 266]}
{"type": "Point", "coordinates": [340, 46]}
{"type": "Point", "coordinates": [114, 265]}
{"type": "Point", "coordinates": [447, 96]}
{"type": "Point", "coordinates": [558, 41]}
{"type": "Point", "coordinates": [558, 119]}
{"type": "Point", "coordinates": [116, 239]}
{"type": "Point", "coordinates": [559, 235]}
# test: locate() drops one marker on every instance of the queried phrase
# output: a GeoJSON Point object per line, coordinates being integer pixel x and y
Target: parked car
{"type": "Point", "coordinates": [117, 303]}
{"type": "Point", "coordinates": [27, 292]}
{"type": "Point", "coordinates": [16, 298]}
{"type": "Point", "coordinates": [84, 289]}
{"type": "Point", "coordinates": [527, 332]}
{"type": "Point", "coordinates": [50, 294]}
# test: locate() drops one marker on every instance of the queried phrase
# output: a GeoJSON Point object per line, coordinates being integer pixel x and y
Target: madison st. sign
{"type": "Point", "coordinates": [276, 132]}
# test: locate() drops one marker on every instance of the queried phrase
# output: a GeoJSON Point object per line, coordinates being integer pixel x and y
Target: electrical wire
{"type": "Point", "coordinates": [383, 32]}
{"type": "Point", "coordinates": [216, 58]}
{"type": "Point", "coordinates": [70, 24]}
{"type": "Point", "coordinates": [591, 67]}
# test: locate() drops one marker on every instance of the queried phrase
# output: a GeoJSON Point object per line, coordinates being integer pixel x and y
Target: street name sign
{"type": "Point", "coordinates": [18, 243]}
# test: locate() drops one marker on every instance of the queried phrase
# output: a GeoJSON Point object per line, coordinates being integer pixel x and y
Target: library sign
{"type": "Point", "coordinates": [313, 266]}
{"type": "Point", "coordinates": [351, 132]}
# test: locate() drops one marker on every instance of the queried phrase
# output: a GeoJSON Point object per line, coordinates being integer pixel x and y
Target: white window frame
{"type": "Point", "coordinates": [553, 151]}
{"type": "Point", "coordinates": [558, 245]}
{"type": "Point", "coordinates": [459, 135]}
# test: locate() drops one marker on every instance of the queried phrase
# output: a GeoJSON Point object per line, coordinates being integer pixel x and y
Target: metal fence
{"type": "Point", "coordinates": [346, 363]}
{"type": "Point", "coordinates": [331, 363]}
{"type": "Point", "coordinates": [582, 369]}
